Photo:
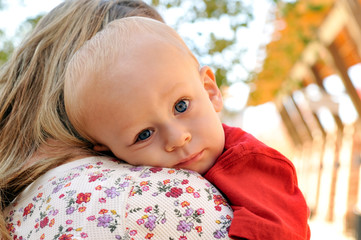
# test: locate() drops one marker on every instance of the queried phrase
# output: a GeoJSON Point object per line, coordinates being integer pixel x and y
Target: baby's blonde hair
{"type": "Point", "coordinates": [96, 56]}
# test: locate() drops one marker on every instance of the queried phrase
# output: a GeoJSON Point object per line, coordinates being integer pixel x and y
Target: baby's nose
{"type": "Point", "coordinates": [177, 138]}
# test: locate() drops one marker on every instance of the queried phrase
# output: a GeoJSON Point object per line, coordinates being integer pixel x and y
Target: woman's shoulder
{"type": "Point", "coordinates": [100, 196]}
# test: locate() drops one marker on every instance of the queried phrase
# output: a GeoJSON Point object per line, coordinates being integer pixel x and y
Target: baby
{"type": "Point", "coordinates": [135, 89]}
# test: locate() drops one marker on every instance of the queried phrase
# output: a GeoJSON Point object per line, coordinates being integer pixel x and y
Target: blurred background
{"type": "Point", "coordinates": [290, 74]}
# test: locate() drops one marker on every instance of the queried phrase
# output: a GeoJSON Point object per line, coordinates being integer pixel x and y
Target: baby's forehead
{"type": "Point", "coordinates": [120, 38]}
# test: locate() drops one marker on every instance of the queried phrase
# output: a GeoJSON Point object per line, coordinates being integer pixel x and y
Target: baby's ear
{"type": "Point", "coordinates": [210, 85]}
{"type": "Point", "coordinates": [100, 148]}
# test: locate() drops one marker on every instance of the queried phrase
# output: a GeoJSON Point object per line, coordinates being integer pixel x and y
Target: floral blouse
{"type": "Point", "coordinates": [101, 198]}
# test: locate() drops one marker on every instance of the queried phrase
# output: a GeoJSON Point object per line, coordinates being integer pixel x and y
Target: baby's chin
{"type": "Point", "coordinates": [202, 168]}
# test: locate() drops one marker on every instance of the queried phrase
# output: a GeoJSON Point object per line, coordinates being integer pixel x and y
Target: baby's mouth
{"type": "Point", "coordinates": [190, 159]}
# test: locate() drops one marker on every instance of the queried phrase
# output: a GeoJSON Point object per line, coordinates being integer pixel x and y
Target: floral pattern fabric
{"type": "Point", "coordinates": [101, 198]}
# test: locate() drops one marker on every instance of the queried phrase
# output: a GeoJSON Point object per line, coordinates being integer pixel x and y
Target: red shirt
{"type": "Point", "coordinates": [261, 187]}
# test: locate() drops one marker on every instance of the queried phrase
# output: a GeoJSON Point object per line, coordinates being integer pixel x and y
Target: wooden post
{"type": "Point", "coordinates": [304, 123]}
{"type": "Point", "coordinates": [320, 168]}
{"type": "Point", "coordinates": [353, 181]}
{"type": "Point", "coordinates": [353, 9]}
{"type": "Point", "coordinates": [336, 165]}
{"type": "Point", "coordinates": [289, 126]}
{"type": "Point", "coordinates": [342, 69]}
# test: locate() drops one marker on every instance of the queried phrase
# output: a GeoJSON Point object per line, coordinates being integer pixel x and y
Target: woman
{"type": "Point", "coordinates": [38, 146]}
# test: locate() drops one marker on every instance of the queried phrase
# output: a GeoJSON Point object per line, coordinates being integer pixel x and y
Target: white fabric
{"type": "Point", "coordinates": [100, 198]}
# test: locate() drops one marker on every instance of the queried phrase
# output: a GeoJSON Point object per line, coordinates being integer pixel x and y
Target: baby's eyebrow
{"type": "Point", "coordinates": [172, 89]}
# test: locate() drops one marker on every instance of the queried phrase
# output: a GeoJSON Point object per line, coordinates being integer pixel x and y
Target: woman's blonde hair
{"type": "Point", "coordinates": [31, 90]}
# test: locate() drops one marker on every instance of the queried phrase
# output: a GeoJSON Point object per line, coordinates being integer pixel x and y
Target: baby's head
{"type": "Point", "coordinates": [137, 90]}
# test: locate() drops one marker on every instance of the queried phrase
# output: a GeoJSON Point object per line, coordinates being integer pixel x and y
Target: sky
{"type": "Point", "coordinates": [17, 11]}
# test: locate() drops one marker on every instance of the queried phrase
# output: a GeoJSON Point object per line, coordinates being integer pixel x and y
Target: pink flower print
{"type": "Point", "coordinates": [81, 209]}
{"type": "Point", "coordinates": [69, 229]}
{"type": "Point", "coordinates": [148, 209]}
{"type": "Point", "coordinates": [196, 195]}
{"type": "Point", "coordinates": [69, 221]}
{"type": "Point", "coordinates": [10, 227]}
{"type": "Point", "coordinates": [112, 192]}
{"type": "Point", "coordinates": [70, 210]}
{"type": "Point", "coordinates": [218, 234]}
{"type": "Point", "coordinates": [57, 188]}
{"type": "Point", "coordinates": [144, 183]}
{"type": "Point", "coordinates": [140, 221]}
{"type": "Point", "coordinates": [183, 238]}
{"type": "Point", "coordinates": [218, 208]}
{"type": "Point", "coordinates": [185, 181]}
{"type": "Point", "coordinates": [188, 212]}
{"type": "Point", "coordinates": [133, 232]}
{"type": "Point", "coordinates": [44, 222]}
{"type": "Point", "coordinates": [149, 235]}
{"type": "Point", "coordinates": [136, 169]}
{"type": "Point", "coordinates": [185, 204]}
{"type": "Point", "coordinates": [61, 195]}
{"type": "Point", "coordinates": [52, 222]}
{"type": "Point", "coordinates": [95, 177]}
{"type": "Point", "coordinates": [27, 209]}
{"type": "Point", "coordinates": [155, 169]}
{"type": "Point", "coordinates": [145, 188]}
{"type": "Point", "coordinates": [56, 211]}
{"type": "Point", "coordinates": [91, 218]}
{"type": "Point", "coordinates": [65, 237]}
{"type": "Point", "coordinates": [102, 211]}
{"type": "Point", "coordinates": [83, 235]}
{"type": "Point", "coordinates": [102, 200]}
{"type": "Point", "coordinates": [219, 200]}
{"type": "Point", "coordinates": [83, 197]}
{"type": "Point", "coordinates": [174, 192]}
{"type": "Point", "coordinates": [200, 211]}
{"type": "Point", "coordinates": [189, 189]}
{"type": "Point", "coordinates": [103, 221]}
{"type": "Point", "coordinates": [150, 224]}
{"type": "Point", "coordinates": [124, 184]}
{"type": "Point", "coordinates": [184, 226]}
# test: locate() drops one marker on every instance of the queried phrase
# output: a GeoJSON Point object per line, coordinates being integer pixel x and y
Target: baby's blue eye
{"type": "Point", "coordinates": [145, 134]}
{"type": "Point", "coordinates": [181, 106]}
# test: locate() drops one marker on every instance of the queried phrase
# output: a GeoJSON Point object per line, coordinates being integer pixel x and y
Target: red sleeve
{"type": "Point", "coordinates": [261, 186]}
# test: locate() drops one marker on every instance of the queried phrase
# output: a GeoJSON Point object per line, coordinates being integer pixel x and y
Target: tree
{"type": "Point", "coordinates": [298, 25]}
{"type": "Point", "coordinates": [7, 44]}
{"type": "Point", "coordinates": [196, 21]}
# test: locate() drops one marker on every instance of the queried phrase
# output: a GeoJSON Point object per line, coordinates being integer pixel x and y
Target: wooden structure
{"type": "Point", "coordinates": [328, 158]}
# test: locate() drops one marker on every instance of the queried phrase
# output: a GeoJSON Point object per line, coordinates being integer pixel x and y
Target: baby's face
{"type": "Point", "coordinates": [154, 107]}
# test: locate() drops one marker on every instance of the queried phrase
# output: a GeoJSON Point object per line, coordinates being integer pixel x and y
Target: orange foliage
{"type": "Point", "coordinates": [300, 22]}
